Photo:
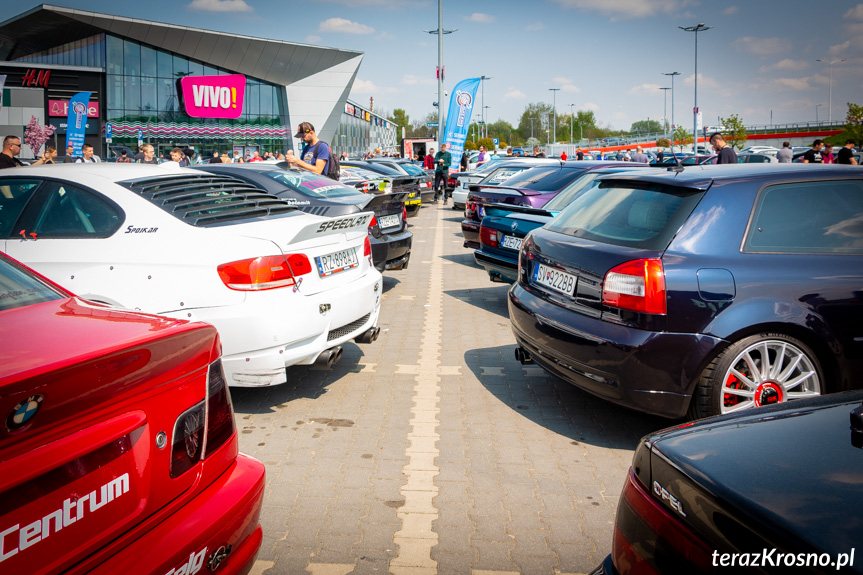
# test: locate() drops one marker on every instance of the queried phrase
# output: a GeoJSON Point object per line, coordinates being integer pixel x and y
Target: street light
{"type": "Point", "coordinates": [570, 123]}
{"type": "Point", "coordinates": [482, 80]}
{"type": "Point", "coordinates": [554, 108]}
{"type": "Point", "coordinates": [672, 74]}
{"type": "Point", "coordinates": [440, 32]}
{"type": "Point", "coordinates": [830, 88]}
{"type": "Point", "coordinates": [485, 120]}
{"type": "Point", "coordinates": [816, 111]}
{"type": "Point", "coordinates": [665, 114]}
{"type": "Point", "coordinates": [699, 28]}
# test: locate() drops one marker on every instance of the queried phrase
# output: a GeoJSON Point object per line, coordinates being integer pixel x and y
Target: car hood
{"type": "Point", "coordinates": [785, 476]}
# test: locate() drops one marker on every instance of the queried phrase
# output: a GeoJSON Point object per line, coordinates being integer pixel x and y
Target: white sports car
{"type": "Point", "coordinates": [281, 286]}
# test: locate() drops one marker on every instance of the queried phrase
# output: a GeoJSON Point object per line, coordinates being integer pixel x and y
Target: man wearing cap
{"type": "Point", "coordinates": [315, 156]}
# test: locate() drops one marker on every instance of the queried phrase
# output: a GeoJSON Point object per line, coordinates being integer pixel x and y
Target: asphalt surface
{"type": "Point", "coordinates": [433, 450]}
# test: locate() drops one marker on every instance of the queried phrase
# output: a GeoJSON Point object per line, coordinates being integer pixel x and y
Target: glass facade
{"type": "Point", "coordinates": [87, 52]}
{"type": "Point", "coordinates": [361, 131]}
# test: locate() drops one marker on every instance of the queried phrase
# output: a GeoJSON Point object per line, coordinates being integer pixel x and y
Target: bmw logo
{"type": "Point", "coordinates": [23, 413]}
{"type": "Point", "coordinates": [514, 226]}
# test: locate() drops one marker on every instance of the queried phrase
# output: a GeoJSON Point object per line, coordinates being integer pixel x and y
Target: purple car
{"type": "Point", "coordinates": [533, 188]}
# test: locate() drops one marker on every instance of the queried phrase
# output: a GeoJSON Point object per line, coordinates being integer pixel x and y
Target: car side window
{"type": "Point", "coordinates": [808, 218]}
{"type": "Point", "coordinates": [67, 211]}
{"type": "Point", "coordinates": [14, 195]}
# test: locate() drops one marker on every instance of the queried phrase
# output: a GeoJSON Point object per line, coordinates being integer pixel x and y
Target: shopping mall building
{"type": "Point", "coordinates": [135, 69]}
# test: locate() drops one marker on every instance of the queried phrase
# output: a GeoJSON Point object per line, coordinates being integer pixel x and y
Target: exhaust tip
{"type": "Point", "coordinates": [522, 356]}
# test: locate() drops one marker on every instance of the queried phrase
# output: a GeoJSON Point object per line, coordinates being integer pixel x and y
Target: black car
{"type": "Point", "coordinates": [776, 490]}
{"type": "Point", "coordinates": [400, 182]}
{"type": "Point", "coordinates": [316, 194]}
{"type": "Point", "coordinates": [699, 292]}
{"type": "Point", "coordinates": [426, 177]}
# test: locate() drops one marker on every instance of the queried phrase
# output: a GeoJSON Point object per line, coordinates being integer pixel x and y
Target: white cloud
{"type": "Point", "coordinates": [703, 81]}
{"type": "Point", "coordinates": [385, 3]}
{"type": "Point", "coordinates": [481, 18]}
{"type": "Point", "coordinates": [571, 88]}
{"type": "Point", "coordinates": [730, 10]}
{"type": "Point", "coordinates": [794, 83]}
{"type": "Point", "coordinates": [786, 64]}
{"type": "Point", "coordinates": [369, 87]}
{"type": "Point", "coordinates": [590, 106]}
{"type": "Point", "coordinates": [561, 80]}
{"type": "Point", "coordinates": [220, 6]}
{"type": "Point", "coordinates": [414, 80]}
{"type": "Point", "coordinates": [855, 13]}
{"type": "Point", "coordinates": [513, 94]}
{"type": "Point", "coordinates": [645, 90]}
{"type": "Point", "coordinates": [344, 26]}
{"type": "Point", "coordinates": [312, 39]}
{"type": "Point", "coordinates": [627, 9]}
{"type": "Point", "coordinates": [839, 48]}
{"type": "Point", "coordinates": [763, 46]}
{"type": "Point", "coordinates": [535, 27]}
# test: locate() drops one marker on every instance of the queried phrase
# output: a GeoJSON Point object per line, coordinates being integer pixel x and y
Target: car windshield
{"type": "Point", "coordinates": [358, 174]}
{"type": "Point", "coordinates": [413, 170]}
{"type": "Point", "coordinates": [501, 175]}
{"type": "Point", "coordinates": [644, 216]}
{"type": "Point", "coordinates": [313, 185]}
{"type": "Point", "coordinates": [544, 179]}
{"type": "Point", "coordinates": [19, 289]}
{"type": "Point", "coordinates": [565, 197]}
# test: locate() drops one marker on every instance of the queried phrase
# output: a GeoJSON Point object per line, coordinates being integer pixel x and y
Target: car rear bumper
{"type": "Point", "coordinates": [224, 514]}
{"type": "Point", "coordinates": [654, 372]}
{"type": "Point", "coordinates": [459, 197]}
{"type": "Point", "coordinates": [392, 251]}
{"type": "Point", "coordinates": [498, 267]}
{"type": "Point", "coordinates": [470, 231]}
{"type": "Point", "coordinates": [412, 207]}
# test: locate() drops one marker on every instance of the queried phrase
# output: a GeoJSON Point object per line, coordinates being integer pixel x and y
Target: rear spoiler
{"type": "Point", "coordinates": [523, 192]}
{"type": "Point", "coordinates": [376, 201]}
{"type": "Point", "coordinates": [340, 225]}
{"type": "Point", "coordinates": [502, 210]}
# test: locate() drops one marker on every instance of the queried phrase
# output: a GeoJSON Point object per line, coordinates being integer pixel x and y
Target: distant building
{"type": "Point", "coordinates": [361, 130]}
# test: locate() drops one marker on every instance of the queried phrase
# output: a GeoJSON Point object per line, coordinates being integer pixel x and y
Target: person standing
{"type": "Point", "coordinates": [579, 155]}
{"type": "Point", "coordinates": [47, 157]}
{"type": "Point", "coordinates": [725, 153]}
{"type": "Point", "coordinates": [149, 155]}
{"type": "Point", "coordinates": [814, 156]}
{"type": "Point", "coordinates": [464, 164]}
{"type": "Point", "coordinates": [216, 159]}
{"type": "Point", "coordinates": [69, 158]}
{"type": "Point", "coordinates": [639, 156]}
{"type": "Point", "coordinates": [428, 161]}
{"type": "Point", "coordinates": [315, 156]}
{"type": "Point", "coordinates": [785, 154]}
{"type": "Point", "coordinates": [537, 153]}
{"type": "Point", "coordinates": [509, 151]}
{"type": "Point", "coordinates": [845, 155]}
{"type": "Point", "coordinates": [11, 148]}
{"type": "Point", "coordinates": [256, 157]}
{"type": "Point", "coordinates": [563, 156]}
{"type": "Point", "coordinates": [483, 157]}
{"type": "Point", "coordinates": [827, 154]}
{"type": "Point", "coordinates": [87, 156]}
{"type": "Point", "coordinates": [124, 158]}
{"type": "Point", "coordinates": [442, 160]}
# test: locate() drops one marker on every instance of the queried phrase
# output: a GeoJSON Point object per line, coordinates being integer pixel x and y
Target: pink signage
{"type": "Point", "coordinates": [214, 96]}
{"type": "Point", "coordinates": [61, 108]}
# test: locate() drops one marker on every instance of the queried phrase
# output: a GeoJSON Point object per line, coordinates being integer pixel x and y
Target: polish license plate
{"type": "Point", "coordinates": [337, 262]}
{"type": "Point", "coordinates": [389, 221]}
{"type": "Point", "coordinates": [554, 279]}
{"type": "Point", "coordinates": [511, 242]}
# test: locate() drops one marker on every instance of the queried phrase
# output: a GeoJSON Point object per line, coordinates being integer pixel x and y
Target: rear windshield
{"type": "Point", "coordinates": [19, 289]}
{"type": "Point", "coordinates": [413, 170]}
{"type": "Point", "coordinates": [564, 198]}
{"type": "Point", "coordinates": [639, 216]}
{"type": "Point", "coordinates": [500, 175]}
{"type": "Point", "coordinates": [544, 179]}
{"type": "Point", "coordinates": [312, 186]}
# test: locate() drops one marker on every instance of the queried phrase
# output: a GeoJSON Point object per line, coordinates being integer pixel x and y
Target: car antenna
{"type": "Point", "coordinates": [678, 167]}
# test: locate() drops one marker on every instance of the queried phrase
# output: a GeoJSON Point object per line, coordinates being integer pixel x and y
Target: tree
{"type": "Point", "coordinates": [35, 135]}
{"type": "Point", "coordinates": [400, 118]}
{"type": "Point", "coordinates": [646, 127]}
{"type": "Point", "coordinates": [663, 143]}
{"type": "Point", "coordinates": [854, 124]}
{"type": "Point", "coordinates": [540, 112]}
{"type": "Point", "coordinates": [682, 136]}
{"type": "Point", "coordinates": [735, 131]}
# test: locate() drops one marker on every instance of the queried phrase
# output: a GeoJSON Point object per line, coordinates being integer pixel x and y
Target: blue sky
{"type": "Point", "coordinates": [605, 55]}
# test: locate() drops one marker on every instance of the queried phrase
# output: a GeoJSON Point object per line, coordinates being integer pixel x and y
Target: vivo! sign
{"type": "Point", "coordinates": [214, 96]}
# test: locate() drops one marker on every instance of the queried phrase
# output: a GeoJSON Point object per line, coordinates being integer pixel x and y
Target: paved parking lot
{"type": "Point", "coordinates": [433, 450]}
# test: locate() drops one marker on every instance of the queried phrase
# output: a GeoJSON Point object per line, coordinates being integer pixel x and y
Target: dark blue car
{"type": "Point", "coordinates": [700, 292]}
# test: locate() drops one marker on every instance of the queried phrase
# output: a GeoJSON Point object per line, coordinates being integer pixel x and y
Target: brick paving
{"type": "Point", "coordinates": [433, 450]}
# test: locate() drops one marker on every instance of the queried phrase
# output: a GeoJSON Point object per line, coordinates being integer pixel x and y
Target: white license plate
{"type": "Point", "coordinates": [389, 221]}
{"type": "Point", "coordinates": [554, 279]}
{"type": "Point", "coordinates": [511, 242]}
{"type": "Point", "coordinates": [337, 262]}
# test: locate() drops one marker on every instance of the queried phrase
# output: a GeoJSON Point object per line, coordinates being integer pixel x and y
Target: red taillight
{"type": "Point", "coordinates": [470, 206]}
{"type": "Point", "coordinates": [404, 213]}
{"type": "Point", "coordinates": [648, 539]}
{"type": "Point", "coordinates": [367, 247]}
{"type": "Point", "coordinates": [638, 285]}
{"type": "Point", "coordinates": [265, 272]}
{"type": "Point", "coordinates": [488, 237]}
{"type": "Point", "coordinates": [374, 222]}
{"type": "Point", "coordinates": [220, 411]}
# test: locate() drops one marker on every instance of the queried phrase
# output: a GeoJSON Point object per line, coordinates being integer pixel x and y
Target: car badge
{"type": "Point", "coordinates": [23, 413]}
{"type": "Point", "coordinates": [514, 226]}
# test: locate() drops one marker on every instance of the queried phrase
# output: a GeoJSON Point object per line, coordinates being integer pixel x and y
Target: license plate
{"type": "Point", "coordinates": [480, 211]}
{"type": "Point", "coordinates": [337, 262]}
{"type": "Point", "coordinates": [511, 242]}
{"type": "Point", "coordinates": [554, 279]}
{"type": "Point", "coordinates": [389, 221]}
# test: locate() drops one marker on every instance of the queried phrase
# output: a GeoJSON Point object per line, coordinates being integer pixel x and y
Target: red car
{"type": "Point", "coordinates": [118, 448]}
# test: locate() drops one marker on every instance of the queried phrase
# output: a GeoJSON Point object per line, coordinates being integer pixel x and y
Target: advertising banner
{"type": "Point", "coordinates": [214, 96]}
{"type": "Point", "coordinates": [60, 108]}
{"type": "Point", "coordinates": [458, 118]}
{"type": "Point", "coordinates": [76, 122]}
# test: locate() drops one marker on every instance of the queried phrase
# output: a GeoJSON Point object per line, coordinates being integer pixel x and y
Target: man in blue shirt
{"type": "Point", "coordinates": [315, 156]}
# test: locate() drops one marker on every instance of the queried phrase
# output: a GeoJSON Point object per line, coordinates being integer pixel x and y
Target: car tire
{"type": "Point", "coordinates": [789, 360]}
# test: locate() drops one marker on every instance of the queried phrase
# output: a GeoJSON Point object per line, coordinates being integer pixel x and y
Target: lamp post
{"type": "Point", "coordinates": [554, 109]}
{"type": "Point", "coordinates": [816, 111]}
{"type": "Point", "coordinates": [531, 128]}
{"type": "Point", "coordinates": [570, 123]}
{"type": "Point", "coordinates": [699, 28]}
{"type": "Point", "coordinates": [830, 88]}
{"type": "Point", "coordinates": [665, 113]}
{"type": "Point", "coordinates": [482, 80]}
{"type": "Point", "coordinates": [440, 32]}
{"type": "Point", "coordinates": [485, 120]}
{"type": "Point", "coordinates": [672, 74]}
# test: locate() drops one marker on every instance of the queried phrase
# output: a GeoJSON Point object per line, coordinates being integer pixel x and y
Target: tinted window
{"type": "Point", "coordinates": [413, 170]}
{"type": "Point", "coordinates": [544, 179]}
{"type": "Point", "coordinates": [644, 217]}
{"type": "Point", "coordinates": [311, 186]}
{"type": "Point", "coordinates": [501, 175]}
{"type": "Point", "coordinates": [18, 288]}
{"type": "Point", "coordinates": [14, 195]}
{"type": "Point", "coordinates": [69, 212]}
{"type": "Point", "coordinates": [564, 198]}
{"type": "Point", "coordinates": [810, 217]}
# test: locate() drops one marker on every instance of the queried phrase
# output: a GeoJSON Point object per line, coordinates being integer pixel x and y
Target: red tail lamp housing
{"type": "Point", "coordinates": [488, 236]}
{"type": "Point", "coordinates": [637, 286]}
{"type": "Point", "coordinates": [265, 272]}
